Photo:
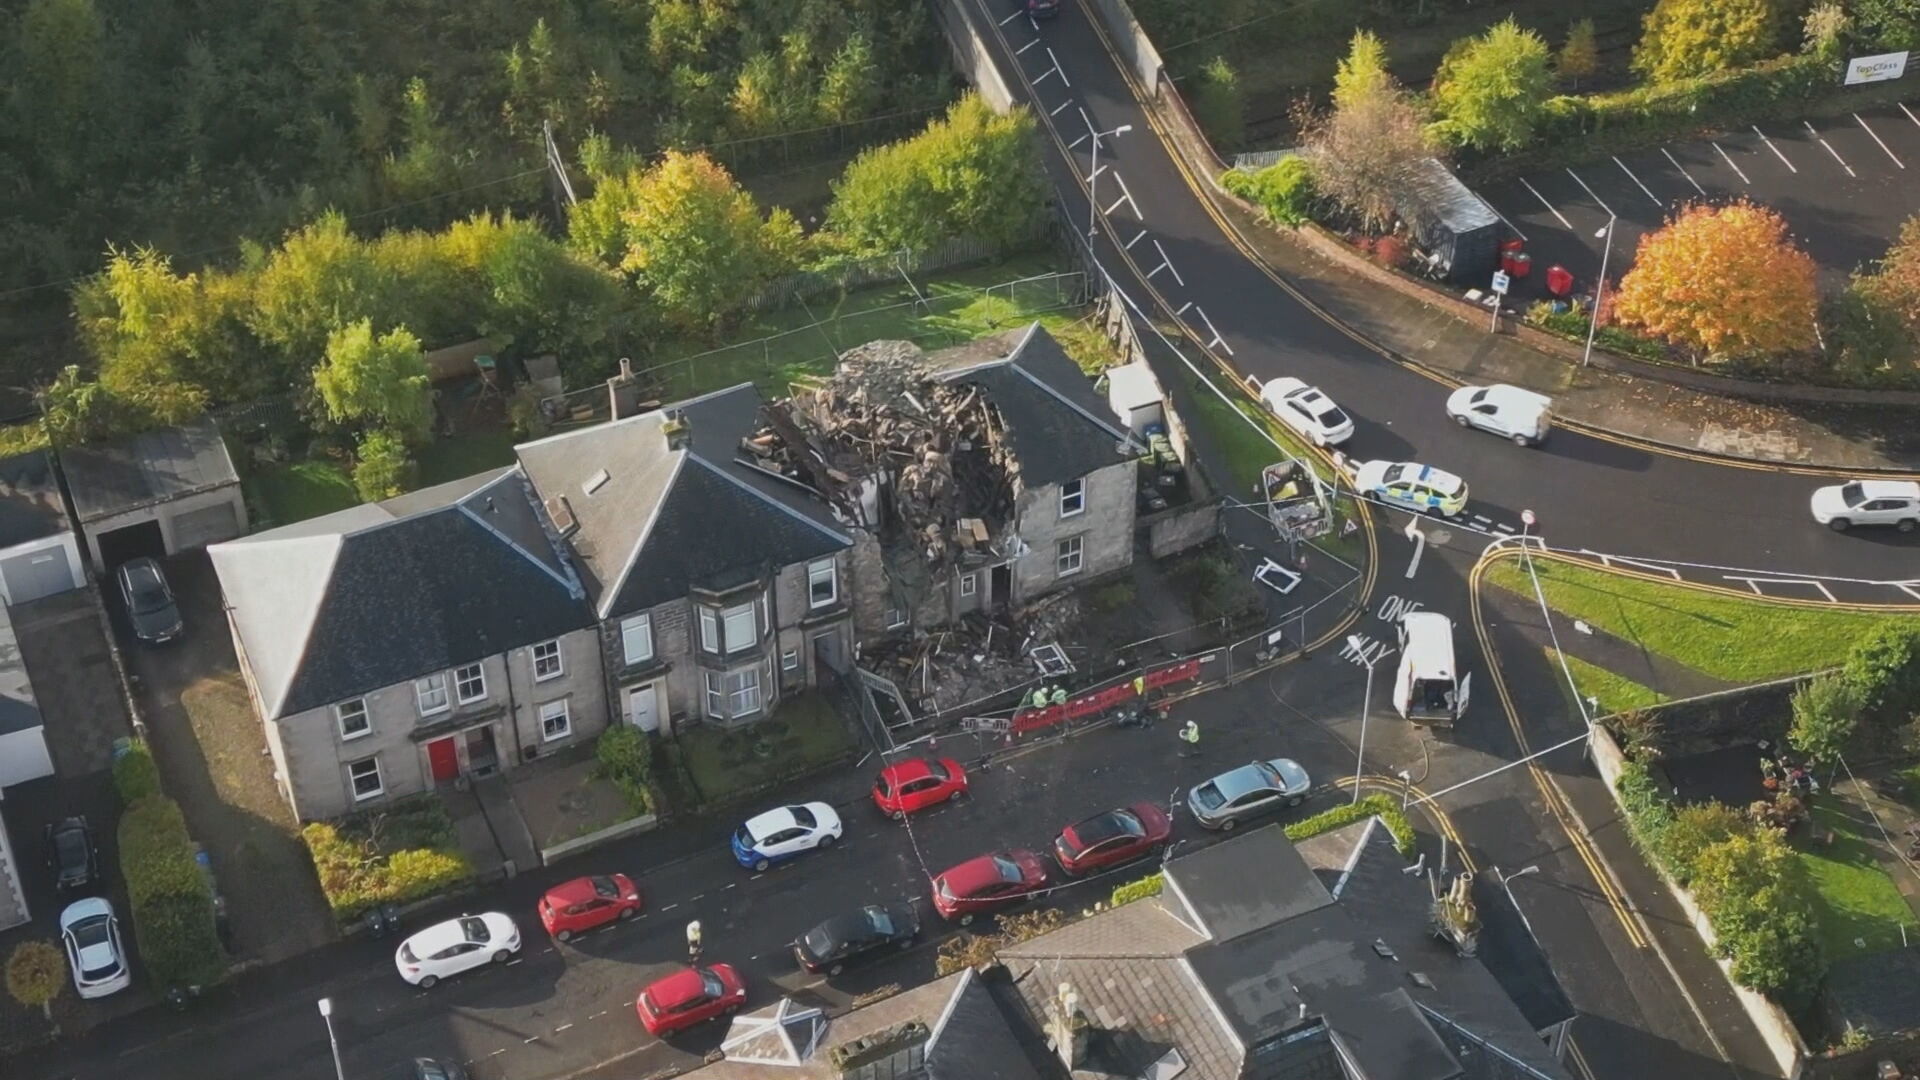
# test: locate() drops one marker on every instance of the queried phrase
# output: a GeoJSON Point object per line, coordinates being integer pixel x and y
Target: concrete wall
{"type": "Point", "coordinates": [1132, 42]}
{"type": "Point", "coordinates": [164, 513]}
{"type": "Point", "coordinates": [1175, 530]}
{"type": "Point", "coordinates": [1106, 526]}
{"type": "Point", "coordinates": [970, 54]}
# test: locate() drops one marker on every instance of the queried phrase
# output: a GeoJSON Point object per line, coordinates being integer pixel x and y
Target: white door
{"type": "Point", "coordinates": [1460, 703]}
{"type": "Point", "coordinates": [643, 708]}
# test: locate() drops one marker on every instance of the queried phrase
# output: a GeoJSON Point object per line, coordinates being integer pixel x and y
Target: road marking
{"type": "Point", "coordinates": [1775, 149]}
{"type": "Point", "coordinates": [1876, 138]}
{"type": "Point", "coordinates": [1636, 180]}
{"type": "Point", "coordinates": [1503, 218]}
{"type": "Point", "coordinates": [1909, 112]}
{"type": "Point", "coordinates": [1684, 172]}
{"type": "Point", "coordinates": [1730, 164]}
{"type": "Point", "coordinates": [515, 960]}
{"type": "Point", "coordinates": [1419, 546]}
{"type": "Point", "coordinates": [669, 907]}
{"type": "Point", "coordinates": [1027, 46]}
{"type": "Point", "coordinates": [1545, 203]}
{"type": "Point", "coordinates": [1217, 339]}
{"type": "Point", "coordinates": [1126, 196]}
{"type": "Point", "coordinates": [1165, 264]}
{"type": "Point", "coordinates": [498, 1052]}
{"type": "Point", "coordinates": [1057, 67]}
{"type": "Point", "coordinates": [1754, 583]}
{"type": "Point", "coordinates": [1137, 239]}
{"type": "Point", "coordinates": [1063, 105]}
{"type": "Point", "coordinates": [1042, 77]}
{"type": "Point", "coordinates": [1830, 150]}
{"type": "Point", "coordinates": [599, 1014]}
{"type": "Point", "coordinates": [562, 1028]}
{"type": "Point", "coordinates": [1099, 170]}
{"type": "Point", "coordinates": [1013, 16]}
{"type": "Point", "coordinates": [733, 885]}
{"type": "Point", "coordinates": [1183, 309]}
{"type": "Point", "coordinates": [1075, 144]}
{"type": "Point", "coordinates": [1609, 560]}
{"type": "Point", "coordinates": [530, 1039]}
{"type": "Point", "coordinates": [1503, 528]}
{"type": "Point", "coordinates": [1591, 194]}
{"type": "Point", "coordinates": [1908, 587]}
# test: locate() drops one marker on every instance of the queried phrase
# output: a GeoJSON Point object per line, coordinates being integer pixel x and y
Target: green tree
{"type": "Point", "coordinates": [1579, 55]}
{"type": "Point", "coordinates": [381, 381]}
{"type": "Point", "coordinates": [1363, 75]}
{"type": "Point", "coordinates": [427, 163]}
{"type": "Point", "coordinates": [1694, 829]}
{"type": "Point", "coordinates": [75, 410]}
{"type": "Point", "coordinates": [1890, 25]}
{"type": "Point", "coordinates": [151, 329]}
{"type": "Point", "coordinates": [383, 466]}
{"type": "Point", "coordinates": [1680, 39]}
{"type": "Point", "coordinates": [1753, 889]}
{"type": "Point", "coordinates": [1825, 711]}
{"type": "Point", "coordinates": [1366, 149]}
{"type": "Point", "coordinates": [1490, 92]}
{"type": "Point", "coordinates": [542, 297]}
{"type": "Point", "coordinates": [1884, 671]}
{"type": "Point", "coordinates": [850, 89]}
{"type": "Point", "coordinates": [321, 278]}
{"type": "Point", "coordinates": [1863, 337]}
{"type": "Point", "coordinates": [1894, 283]}
{"type": "Point", "coordinates": [36, 970]}
{"type": "Point", "coordinates": [62, 53]}
{"type": "Point", "coordinates": [1219, 104]}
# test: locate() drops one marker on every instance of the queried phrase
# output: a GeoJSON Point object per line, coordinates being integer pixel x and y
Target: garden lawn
{"type": "Point", "coordinates": [1855, 897]}
{"type": "Point", "coordinates": [1730, 638]}
{"type": "Point", "coordinates": [1616, 693]}
{"type": "Point", "coordinates": [804, 733]}
{"type": "Point", "coordinates": [302, 490]}
{"type": "Point", "coordinates": [448, 459]}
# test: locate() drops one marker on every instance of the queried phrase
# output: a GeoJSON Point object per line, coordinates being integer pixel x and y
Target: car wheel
{"type": "Point", "coordinates": [966, 920]}
{"type": "Point", "coordinates": [1839, 524]}
{"type": "Point", "coordinates": [1229, 825]}
{"type": "Point", "coordinates": [1434, 511]}
{"type": "Point", "coordinates": [760, 865]}
{"type": "Point", "coordinates": [563, 936]}
{"type": "Point", "coordinates": [826, 842]}
{"type": "Point", "coordinates": [1462, 420]}
{"type": "Point", "coordinates": [1295, 801]}
{"type": "Point", "coordinates": [427, 982]}
{"type": "Point", "coordinates": [1908, 525]}
{"type": "Point", "coordinates": [628, 913]}
{"type": "Point", "coordinates": [502, 956]}
{"type": "Point", "coordinates": [835, 970]}
{"type": "Point", "coordinates": [957, 792]}
{"type": "Point", "coordinates": [1522, 441]}
{"type": "Point", "coordinates": [898, 815]}
{"type": "Point", "coordinates": [907, 942]}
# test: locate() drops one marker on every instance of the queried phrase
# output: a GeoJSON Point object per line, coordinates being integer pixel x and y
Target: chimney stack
{"type": "Point", "coordinates": [623, 391]}
{"type": "Point", "coordinates": [1067, 1027]}
{"type": "Point", "coordinates": [678, 430]}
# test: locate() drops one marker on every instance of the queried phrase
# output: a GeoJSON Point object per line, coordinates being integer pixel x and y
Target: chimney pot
{"type": "Point", "coordinates": [677, 429]}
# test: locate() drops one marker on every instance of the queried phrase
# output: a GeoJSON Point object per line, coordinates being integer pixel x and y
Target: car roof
{"type": "Point", "coordinates": [761, 826]}
{"type": "Point", "coordinates": [1102, 826]}
{"type": "Point", "coordinates": [1890, 489]}
{"type": "Point", "coordinates": [677, 989]}
{"type": "Point", "coordinates": [902, 772]}
{"type": "Point", "coordinates": [441, 935]}
{"type": "Point", "coordinates": [577, 891]}
{"type": "Point", "coordinates": [976, 873]}
{"type": "Point", "coordinates": [84, 909]}
{"type": "Point", "coordinates": [1237, 782]}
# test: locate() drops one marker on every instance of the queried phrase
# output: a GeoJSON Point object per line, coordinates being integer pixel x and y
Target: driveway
{"type": "Point", "coordinates": [213, 759]}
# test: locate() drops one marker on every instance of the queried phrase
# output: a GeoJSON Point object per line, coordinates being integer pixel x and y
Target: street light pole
{"type": "Point", "coordinates": [326, 1014]}
{"type": "Point", "coordinates": [1093, 171]}
{"type": "Point", "coordinates": [1366, 704]}
{"type": "Point", "coordinates": [1599, 288]}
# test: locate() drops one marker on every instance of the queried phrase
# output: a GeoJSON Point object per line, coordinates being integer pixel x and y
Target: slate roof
{"type": "Point", "coordinates": [664, 520]}
{"type": "Point", "coordinates": [1879, 992]}
{"type": "Point", "coordinates": [147, 469]}
{"type": "Point", "coordinates": [338, 606]}
{"type": "Point", "coordinates": [19, 710]}
{"type": "Point", "coordinates": [30, 504]}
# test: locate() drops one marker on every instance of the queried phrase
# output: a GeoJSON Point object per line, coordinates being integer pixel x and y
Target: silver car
{"type": "Point", "coordinates": [1252, 789]}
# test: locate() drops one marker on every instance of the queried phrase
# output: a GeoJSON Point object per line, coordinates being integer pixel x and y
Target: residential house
{"type": "Point", "coordinates": [398, 645]}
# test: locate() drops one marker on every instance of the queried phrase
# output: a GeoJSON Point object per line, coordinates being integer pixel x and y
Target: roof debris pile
{"type": "Point", "coordinates": [978, 655]}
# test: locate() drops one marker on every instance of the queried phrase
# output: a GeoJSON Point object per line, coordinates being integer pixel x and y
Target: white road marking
{"type": "Point", "coordinates": [1876, 138]}
{"type": "Point", "coordinates": [1166, 264]}
{"type": "Point", "coordinates": [1636, 180]}
{"type": "Point", "coordinates": [1183, 308]}
{"type": "Point", "coordinates": [669, 907]}
{"type": "Point", "coordinates": [1042, 77]}
{"type": "Point", "coordinates": [1775, 149]}
{"type": "Point", "coordinates": [1027, 46]}
{"type": "Point", "coordinates": [599, 1014]}
{"type": "Point", "coordinates": [1012, 17]}
{"type": "Point", "coordinates": [1754, 583]}
{"type": "Point", "coordinates": [1503, 218]}
{"type": "Point", "coordinates": [1591, 194]}
{"type": "Point", "coordinates": [733, 885]}
{"type": "Point", "coordinates": [1062, 105]}
{"type": "Point", "coordinates": [498, 1052]}
{"type": "Point", "coordinates": [1099, 170]}
{"type": "Point", "coordinates": [1504, 528]}
{"type": "Point", "coordinates": [1911, 588]}
{"type": "Point", "coordinates": [1731, 165]}
{"type": "Point", "coordinates": [1545, 203]}
{"type": "Point", "coordinates": [561, 1028]}
{"type": "Point", "coordinates": [1909, 112]}
{"type": "Point", "coordinates": [1609, 560]}
{"type": "Point", "coordinates": [530, 1039]}
{"type": "Point", "coordinates": [1137, 239]}
{"type": "Point", "coordinates": [1830, 150]}
{"type": "Point", "coordinates": [1075, 144]}
{"type": "Point", "coordinates": [1126, 196]}
{"type": "Point", "coordinates": [1419, 546]}
{"type": "Point", "coordinates": [1684, 172]}
{"type": "Point", "coordinates": [1217, 341]}
{"type": "Point", "coordinates": [1056, 67]}
{"type": "Point", "coordinates": [515, 960]}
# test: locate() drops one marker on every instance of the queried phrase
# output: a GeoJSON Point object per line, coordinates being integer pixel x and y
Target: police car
{"type": "Point", "coordinates": [1409, 485]}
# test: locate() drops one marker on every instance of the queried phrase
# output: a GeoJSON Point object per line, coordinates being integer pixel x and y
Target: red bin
{"type": "Point", "coordinates": [1559, 281]}
{"type": "Point", "coordinates": [1511, 244]}
{"type": "Point", "coordinates": [1522, 265]}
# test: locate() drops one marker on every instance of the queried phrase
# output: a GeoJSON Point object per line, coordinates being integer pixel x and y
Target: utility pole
{"type": "Point", "coordinates": [562, 185]}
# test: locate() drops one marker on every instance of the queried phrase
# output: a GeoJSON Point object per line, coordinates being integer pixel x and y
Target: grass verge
{"type": "Point", "coordinates": [1729, 638]}
{"type": "Point", "coordinates": [1859, 908]}
{"type": "Point", "coordinates": [803, 734]}
{"type": "Point", "coordinates": [448, 459]}
{"type": "Point", "coordinates": [1616, 693]}
{"type": "Point", "coordinates": [302, 490]}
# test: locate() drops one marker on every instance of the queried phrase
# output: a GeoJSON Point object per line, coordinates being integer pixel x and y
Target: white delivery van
{"type": "Point", "coordinates": [1428, 688]}
{"type": "Point", "coordinates": [1506, 411]}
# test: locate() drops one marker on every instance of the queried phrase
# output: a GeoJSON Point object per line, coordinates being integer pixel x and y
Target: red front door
{"type": "Point", "coordinates": [443, 760]}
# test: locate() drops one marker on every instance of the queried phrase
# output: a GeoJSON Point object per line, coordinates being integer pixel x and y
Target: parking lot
{"type": "Point", "coordinates": [1844, 184]}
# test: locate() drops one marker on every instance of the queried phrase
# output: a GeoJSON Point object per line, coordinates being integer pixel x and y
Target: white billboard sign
{"type": "Point", "coordinates": [1881, 68]}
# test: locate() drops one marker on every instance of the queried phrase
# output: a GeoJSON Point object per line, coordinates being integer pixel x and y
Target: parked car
{"type": "Point", "coordinates": [95, 954]}
{"type": "Point", "coordinates": [843, 938]}
{"type": "Point", "coordinates": [782, 834]}
{"type": "Point", "coordinates": [1306, 410]}
{"type": "Point", "coordinates": [1868, 502]}
{"type": "Point", "coordinates": [433, 1069]}
{"type": "Point", "coordinates": [577, 906]}
{"type": "Point", "coordinates": [457, 945]}
{"type": "Point", "coordinates": [906, 787]}
{"type": "Point", "coordinates": [71, 854]}
{"type": "Point", "coordinates": [988, 883]}
{"type": "Point", "coordinates": [1507, 411]}
{"type": "Point", "coordinates": [1422, 489]}
{"type": "Point", "coordinates": [150, 607]}
{"type": "Point", "coordinates": [1112, 838]}
{"type": "Point", "coordinates": [689, 998]}
{"type": "Point", "coordinates": [1039, 9]}
{"type": "Point", "coordinates": [1248, 791]}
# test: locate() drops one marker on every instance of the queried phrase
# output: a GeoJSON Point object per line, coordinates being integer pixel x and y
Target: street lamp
{"type": "Point", "coordinates": [1359, 647]}
{"type": "Point", "coordinates": [1093, 172]}
{"type": "Point", "coordinates": [1600, 288]}
{"type": "Point", "coordinates": [326, 1014]}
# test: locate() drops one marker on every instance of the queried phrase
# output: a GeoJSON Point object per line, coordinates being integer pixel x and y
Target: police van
{"type": "Point", "coordinates": [1428, 688]}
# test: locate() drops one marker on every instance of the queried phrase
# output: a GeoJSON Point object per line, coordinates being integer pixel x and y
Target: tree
{"type": "Point", "coordinates": [1863, 337]}
{"type": "Point", "coordinates": [157, 334]}
{"type": "Point", "coordinates": [1220, 105]}
{"type": "Point", "coordinates": [1723, 280]}
{"type": "Point", "coordinates": [1825, 711]}
{"type": "Point", "coordinates": [1883, 669]}
{"type": "Point", "coordinates": [1895, 281]}
{"type": "Point", "coordinates": [1490, 92]}
{"type": "Point", "coordinates": [1892, 25]}
{"type": "Point", "coordinates": [62, 53]}
{"type": "Point", "coordinates": [1284, 190]}
{"type": "Point", "coordinates": [372, 380]}
{"type": "Point", "coordinates": [322, 277]}
{"type": "Point", "coordinates": [1680, 39]}
{"type": "Point", "coordinates": [1694, 829]}
{"type": "Point", "coordinates": [1824, 31]}
{"type": "Point", "coordinates": [36, 970]}
{"type": "Point", "coordinates": [1753, 890]}
{"type": "Point", "coordinates": [384, 467]}
{"type": "Point", "coordinates": [1363, 74]}
{"type": "Point", "coordinates": [1364, 151]}
{"type": "Point", "coordinates": [1579, 55]}
{"type": "Point", "coordinates": [74, 409]}
{"type": "Point", "coordinates": [850, 88]}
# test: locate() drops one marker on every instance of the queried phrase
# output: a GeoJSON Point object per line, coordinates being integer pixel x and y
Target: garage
{"type": "Point", "coordinates": [158, 493]}
{"type": "Point", "coordinates": [39, 553]}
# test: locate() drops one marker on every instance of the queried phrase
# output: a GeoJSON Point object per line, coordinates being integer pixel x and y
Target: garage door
{"type": "Point", "coordinates": [34, 574]}
{"type": "Point", "coordinates": [207, 525]}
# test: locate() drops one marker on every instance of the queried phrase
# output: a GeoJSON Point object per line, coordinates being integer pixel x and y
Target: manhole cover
{"type": "Point", "coordinates": [1438, 536]}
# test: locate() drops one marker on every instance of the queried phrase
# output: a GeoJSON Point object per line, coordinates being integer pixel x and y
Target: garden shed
{"type": "Point", "coordinates": [39, 554]}
{"type": "Point", "coordinates": [1448, 219]}
{"type": "Point", "coordinates": [157, 493]}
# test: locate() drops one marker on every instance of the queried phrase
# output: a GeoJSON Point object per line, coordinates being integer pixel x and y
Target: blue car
{"type": "Point", "coordinates": [779, 835]}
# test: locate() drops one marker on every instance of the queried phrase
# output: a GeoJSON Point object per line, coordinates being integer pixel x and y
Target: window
{"type": "Point", "coordinates": [352, 717]}
{"type": "Point", "coordinates": [470, 683]}
{"type": "Point", "coordinates": [709, 630]}
{"type": "Point", "coordinates": [790, 660]}
{"type": "Point", "coordinates": [431, 693]}
{"type": "Point", "coordinates": [896, 618]}
{"type": "Point", "coordinates": [554, 721]}
{"type": "Point", "coordinates": [636, 639]}
{"type": "Point", "coordinates": [1073, 497]}
{"type": "Point", "coordinates": [364, 775]}
{"type": "Point", "coordinates": [1067, 556]}
{"type": "Point", "coordinates": [733, 694]}
{"type": "Point", "coordinates": [729, 631]}
{"type": "Point", "coordinates": [969, 584]}
{"type": "Point", "coordinates": [546, 661]}
{"type": "Point", "coordinates": [822, 587]}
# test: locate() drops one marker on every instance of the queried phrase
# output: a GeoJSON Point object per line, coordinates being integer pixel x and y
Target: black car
{"type": "Point", "coordinates": [71, 854]}
{"type": "Point", "coordinates": [150, 606]}
{"type": "Point", "coordinates": [829, 946]}
{"type": "Point", "coordinates": [430, 1069]}
{"type": "Point", "coordinates": [1040, 9]}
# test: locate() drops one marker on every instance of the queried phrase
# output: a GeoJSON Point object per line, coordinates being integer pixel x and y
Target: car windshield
{"type": "Point", "coordinates": [945, 890]}
{"type": "Point", "coordinates": [71, 845]}
{"type": "Point", "coordinates": [937, 771]}
{"type": "Point", "coordinates": [710, 984]}
{"type": "Point", "coordinates": [647, 999]}
{"type": "Point", "coordinates": [148, 594]}
{"type": "Point", "coordinates": [1394, 472]}
{"type": "Point", "coordinates": [1269, 775]}
{"type": "Point", "coordinates": [1477, 397]}
{"type": "Point", "coordinates": [1853, 494]}
{"type": "Point", "coordinates": [1208, 797]}
{"type": "Point", "coordinates": [881, 922]}
{"type": "Point", "coordinates": [431, 1070]}
{"type": "Point", "coordinates": [803, 817]}
{"type": "Point", "coordinates": [607, 887]}
{"type": "Point", "coordinates": [1009, 870]}
{"type": "Point", "coordinates": [475, 928]}
{"type": "Point", "coordinates": [818, 941]}
{"type": "Point", "coordinates": [407, 953]}
{"type": "Point", "coordinates": [1332, 416]}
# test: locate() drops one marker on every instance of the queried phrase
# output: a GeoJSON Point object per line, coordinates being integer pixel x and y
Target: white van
{"type": "Point", "coordinates": [1429, 689]}
{"type": "Point", "coordinates": [1506, 411]}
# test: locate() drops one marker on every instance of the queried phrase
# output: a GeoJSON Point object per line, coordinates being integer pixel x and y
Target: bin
{"type": "Point", "coordinates": [1522, 265]}
{"type": "Point", "coordinates": [1559, 281]}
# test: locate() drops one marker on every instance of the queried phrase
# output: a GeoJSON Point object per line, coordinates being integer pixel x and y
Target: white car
{"type": "Point", "coordinates": [1307, 411]}
{"type": "Point", "coordinates": [1409, 485]}
{"type": "Point", "coordinates": [94, 953]}
{"type": "Point", "coordinates": [1869, 502]}
{"type": "Point", "coordinates": [1506, 411]}
{"type": "Point", "coordinates": [779, 835]}
{"type": "Point", "coordinates": [456, 945]}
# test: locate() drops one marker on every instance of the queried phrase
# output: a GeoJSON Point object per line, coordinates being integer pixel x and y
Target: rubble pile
{"type": "Point", "coordinates": [977, 656]}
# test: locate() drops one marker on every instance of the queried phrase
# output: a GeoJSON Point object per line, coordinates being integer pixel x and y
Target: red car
{"type": "Point", "coordinates": [690, 997]}
{"type": "Point", "coordinates": [908, 786]}
{"type": "Point", "coordinates": [584, 903]}
{"type": "Point", "coordinates": [1112, 838]}
{"type": "Point", "coordinates": [987, 884]}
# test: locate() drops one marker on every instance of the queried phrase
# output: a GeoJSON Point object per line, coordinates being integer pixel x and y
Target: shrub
{"type": "Point", "coordinates": [170, 900]}
{"type": "Point", "coordinates": [1572, 325]}
{"type": "Point", "coordinates": [1220, 104]}
{"type": "Point", "coordinates": [1138, 890]}
{"type": "Point", "coordinates": [390, 857]}
{"type": "Point", "coordinates": [385, 468]}
{"type": "Point", "coordinates": [36, 971]}
{"type": "Point", "coordinates": [1390, 252]}
{"type": "Point", "coordinates": [1884, 671]}
{"type": "Point", "coordinates": [1650, 113]}
{"type": "Point", "coordinates": [625, 757]}
{"type": "Point", "coordinates": [134, 774]}
{"type": "Point", "coordinates": [1825, 710]}
{"type": "Point", "coordinates": [1649, 815]}
{"type": "Point", "coordinates": [1380, 806]}
{"type": "Point", "coordinates": [1696, 828]}
{"type": "Point", "coordinates": [1284, 191]}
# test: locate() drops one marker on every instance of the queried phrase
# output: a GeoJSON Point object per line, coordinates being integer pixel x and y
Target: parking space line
{"type": "Point", "coordinates": [1141, 236]}
{"type": "Point", "coordinates": [1908, 586]}
{"type": "Point", "coordinates": [1636, 181]}
{"type": "Point", "coordinates": [1591, 194]}
{"type": "Point", "coordinates": [1125, 197]}
{"type": "Point", "coordinates": [1059, 107]}
{"type": "Point", "coordinates": [1042, 77]}
{"type": "Point", "coordinates": [1058, 68]}
{"type": "Point", "coordinates": [1775, 149]}
{"type": "Point", "coordinates": [1027, 46]}
{"type": "Point", "coordinates": [1075, 144]}
{"type": "Point", "coordinates": [1217, 339]}
{"type": "Point", "coordinates": [1836, 154]}
{"type": "Point", "coordinates": [1545, 203]}
{"type": "Point", "coordinates": [1876, 138]}
{"type": "Point", "coordinates": [1685, 173]}
{"type": "Point", "coordinates": [1166, 264]}
{"type": "Point", "coordinates": [1503, 218]}
{"type": "Point", "coordinates": [1731, 165]}
{"type": "Point", "coordinates": [1909, 112]}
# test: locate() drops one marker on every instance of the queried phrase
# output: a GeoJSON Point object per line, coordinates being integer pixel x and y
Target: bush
{"type": "Point", "coordinates": [1649, 815]}
{"type": "Point", "coordinates": [1652, 113]}
{"type": "Point", "coordinates": [1138, 890]}
{"type": "Point", "coordinates": [1572, 325]}
{"type": "Point", "coordinates": [1696, 828]}
{"type": "Point", "coordinates": [36, 972]}
{"type": "Point", "coordinates": [170, 901]}
{"type": "Point", "coordinates": [1884, 672]}
{"type": "Point", "coordinates": [1380, 806]}
{"type": "Point", "coordinates": [625, 756]}
{"type": "Point", "coordinates": [390, 857]}
{"type": "Point", "coordinates": [1219, 104]}
{"type": "Point", "coordinates": [134, 774]}
{"type": "Point", "coordinates": [1283, 191]}
{"type": "Point", "coordinates": [385, 467]}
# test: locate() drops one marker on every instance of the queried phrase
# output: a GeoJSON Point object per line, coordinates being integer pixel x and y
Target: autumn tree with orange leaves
{"type": "Point", "coordinates": [1895, 283]}
{"type": "Point", "coordinates": [1723, 281]}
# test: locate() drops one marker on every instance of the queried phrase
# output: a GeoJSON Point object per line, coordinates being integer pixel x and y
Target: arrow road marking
{"type": "Point", "coordinates": [1419, 545]}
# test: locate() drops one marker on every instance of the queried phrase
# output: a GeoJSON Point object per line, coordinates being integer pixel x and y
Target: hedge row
{"type": "Point", "coordinates": [134, 774]}
{"type": "Point", "coordinates": [1380, 806]}
{"type": "Point", "coordinates": [170, 898]}
{"type": "Point", "coordinates": [392, 857]}
{"type": "Point", "coordinates": [624, 757]}
{"type": "Point", "coordinates": [1138, 890]}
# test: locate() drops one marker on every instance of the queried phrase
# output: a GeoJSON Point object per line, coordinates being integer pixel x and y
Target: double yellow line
{"type": "Point", "coordinates": [1393, 785]}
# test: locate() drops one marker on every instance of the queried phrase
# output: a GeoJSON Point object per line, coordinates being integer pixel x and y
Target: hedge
{"type": "Point", "coordinates": [625, 757]}
{"type": "Point", "coordinates": [1138, 890]}
{"type": "Point", "coordinates": [1572, 325]}
{"type": "Point", "coordinates": [393, 857]}
{"type": "Point", "coordinates": [1380, 806]}
{"type": "Point", "coordinates": [134, 774]}
{"type": "Point", "coordinates": [170, 899]}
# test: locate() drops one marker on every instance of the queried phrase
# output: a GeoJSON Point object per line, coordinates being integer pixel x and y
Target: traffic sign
{"type": "Point", "coordinates": [1500, 281]}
